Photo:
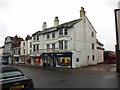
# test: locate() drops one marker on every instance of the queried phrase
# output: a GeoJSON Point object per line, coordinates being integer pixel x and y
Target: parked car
{"type": "Point", "coordinates": [11, 78]}
{"type": "Point", "coordinates": [4, 62]}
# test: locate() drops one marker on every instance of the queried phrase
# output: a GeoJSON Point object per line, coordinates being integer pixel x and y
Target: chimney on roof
{"type": "Point", "coordinates": [44, 26]}
{"type": "Point", "coordinates": [56, 21]}
{"type": "Point", "coordinates": [82, 12]}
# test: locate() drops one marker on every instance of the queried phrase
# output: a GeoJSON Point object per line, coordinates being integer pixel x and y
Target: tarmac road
{"type": "Point", "coordinates": [71, 78]}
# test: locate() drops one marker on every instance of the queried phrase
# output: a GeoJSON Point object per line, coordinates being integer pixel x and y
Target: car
{"type": "Point", "coordinates": [11, 78]}
{"type": "Point", "coordinates": [4, 62]}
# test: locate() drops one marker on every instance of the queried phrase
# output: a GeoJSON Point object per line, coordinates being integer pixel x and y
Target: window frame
{"type": "Point", "coordinates": [60, 31]}
{"type": "Point", "coordinates": [53, 35]}
{"type": "Point", "coordinates": [48, 36]}
{"type": "Point", "coordinates": [60, 45]}
{"type": "Point", "coordinates": [65, 31]}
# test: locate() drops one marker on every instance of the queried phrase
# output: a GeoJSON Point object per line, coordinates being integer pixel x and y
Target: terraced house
{"type": "Point", "coordinates": [71, 44]}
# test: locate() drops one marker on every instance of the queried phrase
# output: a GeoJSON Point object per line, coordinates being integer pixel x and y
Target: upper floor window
{"type": "Point", "coordinates": [14, 52]}
{"type": "Point", "coordinates": [30, 44]}
{"type": "Point", "coordinates": [23, 43]}
{"type": "Point", "coordinates": [37, 47]}
{"type": "Point", "coordinates": [53, 35]}
{"type": "Point", "coordinates": [34, 37]}
{"type": "Point", "coordinates": [61, 31]}
{"type": "Point", "coordinates": [48, 46]}
{"type": "Point", "coordinates": [93, 57]}
{"type": "Point", "coordinates": [66, 45]}
{"type": "Point", "coordinates": [60, 45]}
{"type": "Point", "coordinates": [93, 46]}
{"type": "Point", "coordinates": [37, 37]}
{"type": "Point", "coordinates": [34, 48]}
{"type": "Point", "coordinates": [18, 51]}
{"type": "Point", "coordinates": [23, 51]}
{"type": "Point", "coordinates": [92, 34]}
{"type": "Point", "coordinates": [65, 31]}
{"type": "Point", "coordinates": [48, 36]}
{"type": "Point", "coordinates": [53, 46]}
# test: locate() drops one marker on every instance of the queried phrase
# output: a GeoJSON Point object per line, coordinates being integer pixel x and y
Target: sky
{"type": "Point", "coordinates": [25, 17]}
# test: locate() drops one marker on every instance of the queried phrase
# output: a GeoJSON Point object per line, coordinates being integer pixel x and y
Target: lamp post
{"type": "Point", "coordinates": [117, 25]}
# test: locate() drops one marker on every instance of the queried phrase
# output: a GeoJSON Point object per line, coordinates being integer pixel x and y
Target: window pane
{"type": "Point", "coordinates": [66, 31]}
{"type": "Point", "coordinates": [92, 34]}
{"type": "Point", "coordinates": [93, 57]}
{"type": "Point", "coordinates": [61, 32]}
{"type": "Point", "coordinates": [66, 45]}
{"type": "Point", "coordinates": [53, 35]}
{"type": "Point", "coordinates": [48, 36]}
{"type": "Point", "coordinates": [10, 74]}
{"type": "Point", "coordinates": [92, 46]}
{"type": "Point", "coordinates": [53, 47]}
{"type": "Point", "coordinates": [61, 45]}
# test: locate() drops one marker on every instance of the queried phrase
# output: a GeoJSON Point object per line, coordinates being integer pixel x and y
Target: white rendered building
{"type": "Point", "coordinates": [26, 50]}
{"type": "Point", "coordinates": [71, 44]}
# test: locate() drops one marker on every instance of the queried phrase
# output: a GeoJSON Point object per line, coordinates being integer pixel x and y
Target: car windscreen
{"type": "Point", "coordinates": [10, 74]}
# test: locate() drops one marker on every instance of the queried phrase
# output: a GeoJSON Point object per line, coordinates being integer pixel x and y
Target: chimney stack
{"type": "Point", "coordinates": [82, 12]}
{"type": "Point", "coordinates": [56, 21]}
{"type": "Point", "coordinates": [44, 26]}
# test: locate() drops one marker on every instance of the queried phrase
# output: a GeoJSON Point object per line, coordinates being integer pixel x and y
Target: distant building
{"type": "Point", "coordinates": [10, 46]}
{"type": "Point", "coordinates": [26, 50]}
{"type": "Point", "coordinates": [100, 52]}
{"type": "Point", "coordinates": [1, 52]}
{"type": "Point", "coordinates": [71, 44]}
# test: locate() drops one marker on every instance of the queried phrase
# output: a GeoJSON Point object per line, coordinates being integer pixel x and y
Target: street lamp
{"type": "Point", "coordinates": [117, 25]}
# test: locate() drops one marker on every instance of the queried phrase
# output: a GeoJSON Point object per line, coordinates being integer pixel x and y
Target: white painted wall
{"type": "Point", "coordinates": [79, 42]}
{"type": "Point", "coordinates": [1, 52]}
{"type": "Point", "coordinates": [82, 42]}
{"type": "Point", "coordinates": [23, 47]}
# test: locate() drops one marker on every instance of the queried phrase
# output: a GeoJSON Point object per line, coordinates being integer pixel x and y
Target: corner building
{"type": "Point", "coordinates": [71, 44]}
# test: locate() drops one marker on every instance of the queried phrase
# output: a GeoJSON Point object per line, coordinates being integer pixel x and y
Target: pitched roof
{"type": "Point", "coordinates": [98, 42]}
{"type": "Point", "coordinates": [69, 24]}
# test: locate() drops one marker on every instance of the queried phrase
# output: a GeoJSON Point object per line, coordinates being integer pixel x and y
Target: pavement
{"type": "Point", "coordinates": [99, 67]}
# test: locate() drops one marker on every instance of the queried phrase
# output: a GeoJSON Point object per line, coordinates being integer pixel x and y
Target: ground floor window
{"type": "Point", "coordinates": [58, 59]}
{"type": "Point", "coordinates": [38, 60]}
{"type": "Point", "coordinates": [64, 61]}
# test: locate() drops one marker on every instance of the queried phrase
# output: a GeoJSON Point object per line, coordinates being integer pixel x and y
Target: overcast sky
{"type": "Point", "coordinates": [23, 17]}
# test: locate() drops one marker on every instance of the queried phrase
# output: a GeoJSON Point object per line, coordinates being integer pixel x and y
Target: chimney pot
{"type": "Point", "coordinates": [56, 21]}
{"type": "Point", "coordinates": [44, 26]}
{"type": "Point", "coordinates": [82, 12]}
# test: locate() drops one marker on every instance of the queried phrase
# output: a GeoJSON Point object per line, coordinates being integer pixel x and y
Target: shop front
{"type": "Point", "coordinates": [36, 60]}
{"type": "Point", "coordinates": [60, 59]}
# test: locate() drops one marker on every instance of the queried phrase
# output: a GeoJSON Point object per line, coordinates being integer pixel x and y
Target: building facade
{"type": "Point", "coordinates": [71, 44]}
{"type": "Point", "coordinates": [26, 50]}
{"type": "Point", "coordinates": [11, 45]}
{"type": "Point", "coordinates": [100, 52]}
{"type": "Point", "coordinates": [1, 53]}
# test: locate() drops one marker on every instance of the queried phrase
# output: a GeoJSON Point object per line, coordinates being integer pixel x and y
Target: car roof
{"type": "Point", "coordinates": [7, 68]}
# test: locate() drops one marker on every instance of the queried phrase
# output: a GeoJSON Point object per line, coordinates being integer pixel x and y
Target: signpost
{"type": "Point", "coordinates": [117, 25]}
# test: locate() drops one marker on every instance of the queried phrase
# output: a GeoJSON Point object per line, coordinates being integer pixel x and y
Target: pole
{"type": "Point", "coordinates": [117, 41]}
